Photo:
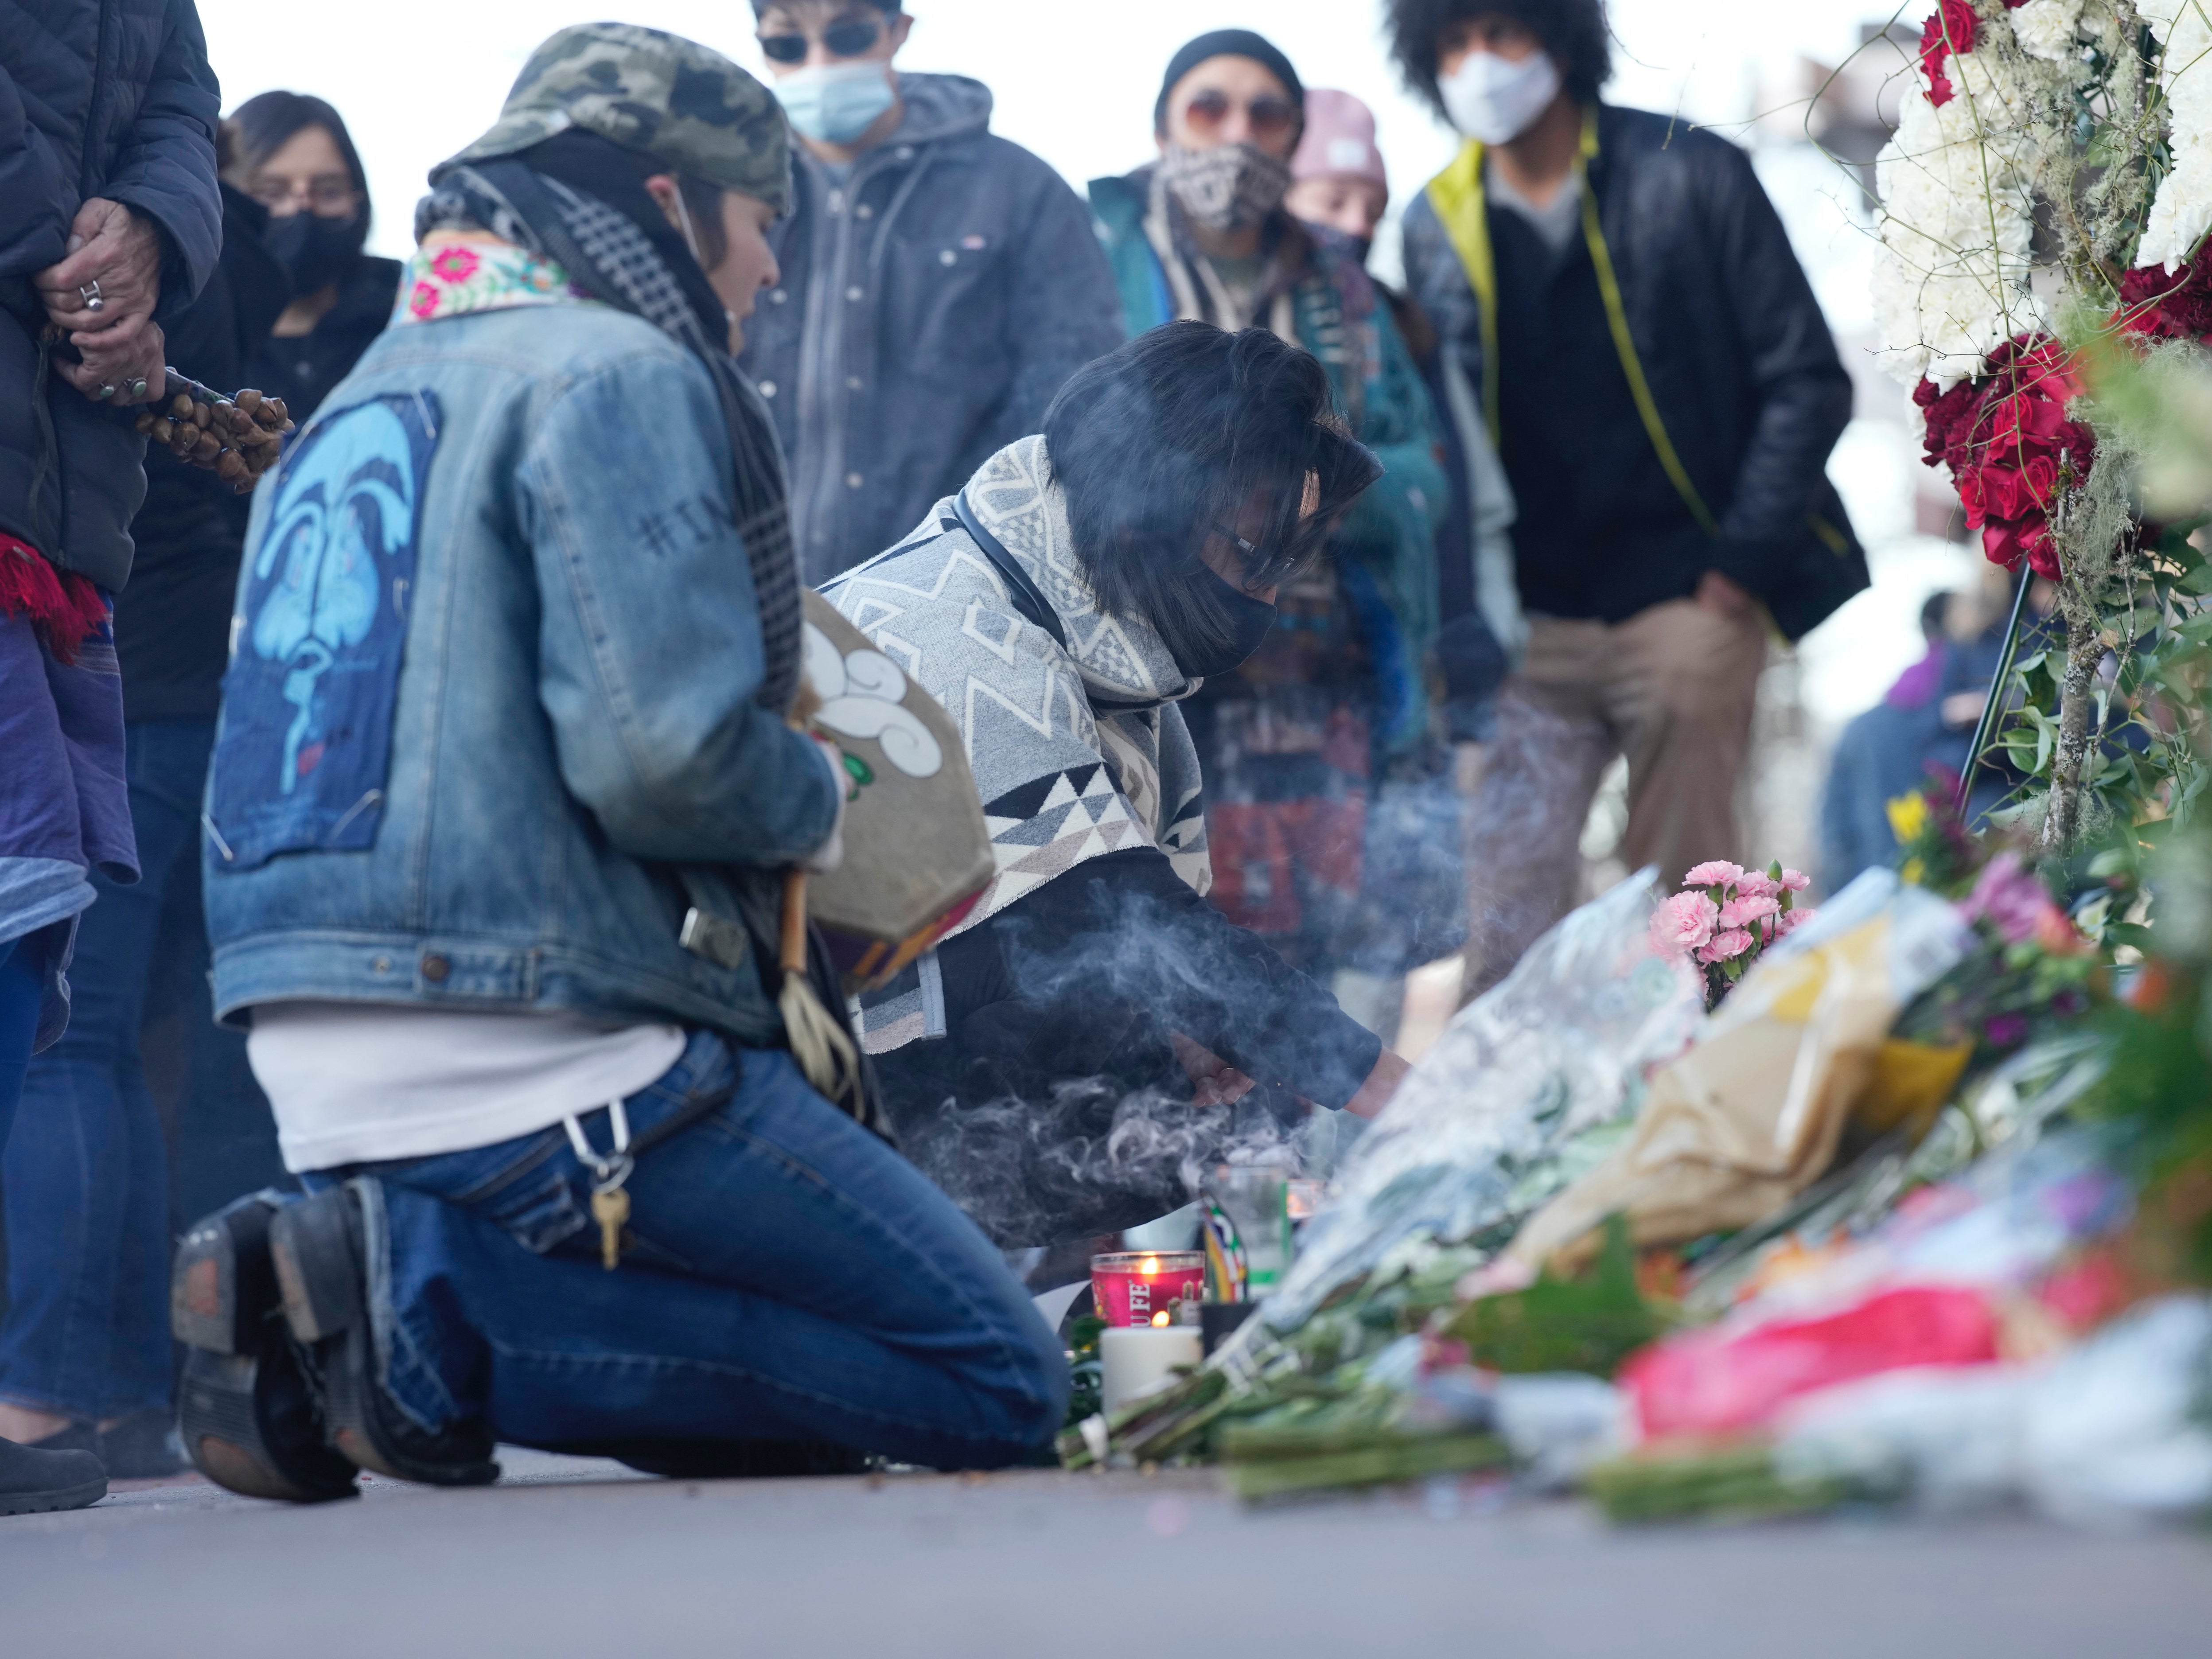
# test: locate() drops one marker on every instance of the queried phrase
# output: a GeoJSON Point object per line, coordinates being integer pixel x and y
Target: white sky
{"type": "Point", "coordinates": [1074, 79]}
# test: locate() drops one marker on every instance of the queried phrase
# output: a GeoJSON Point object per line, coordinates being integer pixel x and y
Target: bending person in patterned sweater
{"type": "Point", "coordinates": [1060, 607]}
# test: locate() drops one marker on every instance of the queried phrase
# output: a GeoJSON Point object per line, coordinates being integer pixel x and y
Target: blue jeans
{"type": "Point", "coordinates": [788, 1277]}
{"type": "Point", "coordinates": [87, 1167]}
{"type": "Point", "coordinates": [22, 985]}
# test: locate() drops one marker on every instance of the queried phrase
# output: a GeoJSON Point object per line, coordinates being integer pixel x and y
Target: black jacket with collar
{"type": "Point", "coordinates": [1739, 361]}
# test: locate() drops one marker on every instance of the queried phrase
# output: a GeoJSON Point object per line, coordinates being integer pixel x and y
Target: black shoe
{"type": "Point", "coordinates": [34, 1479]}
{"type": "Point", "coordinates": [142, 1446]}
{"type": "Point", "coordinates": [245, 1409]}
{"type": "Point", "coordinates": [320, 1255]}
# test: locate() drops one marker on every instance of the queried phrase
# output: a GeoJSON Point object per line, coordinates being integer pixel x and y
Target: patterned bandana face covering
{"type": "Point", "coordinates": [1228, 187]}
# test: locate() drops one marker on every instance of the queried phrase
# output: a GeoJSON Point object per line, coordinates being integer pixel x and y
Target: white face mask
{"type": "Point", "coordinates": [1493, 100]}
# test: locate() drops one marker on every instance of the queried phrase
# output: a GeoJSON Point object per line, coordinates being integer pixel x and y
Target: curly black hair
{"type": "Point", "coordinates": [1574, 32]}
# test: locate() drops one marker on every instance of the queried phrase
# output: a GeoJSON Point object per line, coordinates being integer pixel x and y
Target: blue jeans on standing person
{"type": "Point", "coordinates": [786, 1276]}
{"type": "Point", "coordinates": [23, 986]}
{"type": "Point", "coordinates": [87, 1168]}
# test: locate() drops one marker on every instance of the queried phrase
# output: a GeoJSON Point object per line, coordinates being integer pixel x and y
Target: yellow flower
{"type": "Point", "coordinates": [1913, 871]}
{"type": "Point", "coordinates": [1908, 817]}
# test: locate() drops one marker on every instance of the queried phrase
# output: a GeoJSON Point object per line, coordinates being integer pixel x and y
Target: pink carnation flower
{"type": "Point", "coordinates": [1714, 872]}
{"type": "Point", "coordinates": [1745, 909]}
{"type": "Point", "coordinates": [1729, 942]}
{"type": "Point", "coordinates": [1794, 881]}
{"type": "Point", "coordinates": [1684, 922]}
{"type": "Point", "coordinates": [1757, 884]}
{"type": "Point", "coordinates": [1791, 920]}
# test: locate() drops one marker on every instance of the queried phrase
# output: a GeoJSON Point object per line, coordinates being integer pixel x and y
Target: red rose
{"type": "Point", "coordinates": [2001, 544]}
{"type": "Point", "coordinates": [2040, 480]}
{"type": "Point", "coordinates": [1950, 29]}
{"type": "Point", "coordinates": [2164, 303]}
{"type": "Point", "coordinates": [2001, 496]}
{"type": "Point", "coordinates": [2042, 553]}
{"type": "Point", "coordinates": [1969, 483]}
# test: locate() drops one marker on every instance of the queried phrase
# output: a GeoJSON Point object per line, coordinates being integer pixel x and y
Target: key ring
{"type": "Point", "coordinates": [607, 1173]}
{"type": "Point", "coordinates": [90, 293]}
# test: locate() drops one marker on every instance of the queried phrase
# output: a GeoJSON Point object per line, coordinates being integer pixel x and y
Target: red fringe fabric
{"type": "Point", "coordinates": [65, 608]}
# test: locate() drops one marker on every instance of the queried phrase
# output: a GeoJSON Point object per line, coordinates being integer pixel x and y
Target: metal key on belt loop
{"type": "Point", "coordinates": [610, 1203]}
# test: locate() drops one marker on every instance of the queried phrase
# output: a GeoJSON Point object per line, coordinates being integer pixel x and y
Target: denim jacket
{"type": "Point", "coordinates": [492, 670]}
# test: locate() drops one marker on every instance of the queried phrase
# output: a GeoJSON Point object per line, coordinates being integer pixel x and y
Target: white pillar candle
{"type": "Point", "coordinates": [1139, 1360]}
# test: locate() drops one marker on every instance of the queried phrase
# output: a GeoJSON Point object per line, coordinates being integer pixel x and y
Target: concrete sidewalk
{"type": "Point", "coordinates": [573, 1557]}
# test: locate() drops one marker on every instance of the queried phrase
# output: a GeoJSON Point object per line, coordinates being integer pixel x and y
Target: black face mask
{"type": "Point", "coordinates": [313, 251]}
{"type": "Point", "coordinates": [1250, 619]}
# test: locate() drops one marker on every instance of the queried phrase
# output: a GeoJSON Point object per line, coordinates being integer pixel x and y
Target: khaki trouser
{"type": "Point", "coordinates": [1672, 688]}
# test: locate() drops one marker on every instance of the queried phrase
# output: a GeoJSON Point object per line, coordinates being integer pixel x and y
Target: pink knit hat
{"type": "Point", "coordinates": [1339, 140]}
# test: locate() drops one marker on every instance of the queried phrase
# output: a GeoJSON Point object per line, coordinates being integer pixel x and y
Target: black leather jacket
{"type": "Point", "coordinates": [1740, 360]}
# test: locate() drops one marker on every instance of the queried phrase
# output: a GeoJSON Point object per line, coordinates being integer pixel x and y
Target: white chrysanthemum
{"type": "Point", "coordinates": [2046, 28]}
{"type": "Point", "coordinates": [2182, 211]}
{"type": "Point", "coordinates": [1957, 221]}
{"type": "Point", "coordinates": [1994, 86]}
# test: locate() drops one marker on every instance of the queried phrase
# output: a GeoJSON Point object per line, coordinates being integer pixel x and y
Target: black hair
{"type": "Point", "coordinates": [1573, 32]}
{"type": "Point", "coordinates": [760, 6]}
{"type": "Point", "coordinates": [1167, 441]}
{"type": "Point", "coordinates": [266, 122]}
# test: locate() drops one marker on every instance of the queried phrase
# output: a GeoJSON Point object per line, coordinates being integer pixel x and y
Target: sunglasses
{"type": "Point", "coordinates": [1268, 116]}
{"type": "Point", "coordinates": [848, 37]}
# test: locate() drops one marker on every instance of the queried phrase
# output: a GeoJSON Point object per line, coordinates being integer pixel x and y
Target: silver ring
{"type": "Point", "coordinates": [90, 293]}
{"type": "Point", "coordinates": [137, 388]}
{"type": "Point", "coordinates": [103, 394]}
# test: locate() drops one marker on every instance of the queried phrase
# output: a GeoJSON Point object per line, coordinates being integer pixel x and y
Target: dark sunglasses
{"type": "Point", "coordinates": [848, 37]}
{"type": "Point", "coordinates": [1267, 115]}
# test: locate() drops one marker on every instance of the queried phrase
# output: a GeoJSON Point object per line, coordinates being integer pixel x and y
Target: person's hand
{"type": "Point", "coordinates": [1213, 1080]}
{"type": "Point", "coordinates": [1382, 1082]}
{"type": "Point", "coordinates": [131, 365]}
{"type": "Point", "coordinates": [1719, 594]}
{"type": "Point", "coordinates": [116, 249]}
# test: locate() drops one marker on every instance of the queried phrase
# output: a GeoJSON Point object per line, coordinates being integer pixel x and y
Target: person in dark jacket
{"type": "Point", "coordinates": [294, 157]}
{"type": "Point", "coordinates": [1063, 613]}
{"type": "Point", "coordinates": [87, 1176]}
{"type": "Point", "coordinates": [1663, 392]}
{"type": "Point", "coordinates": [108, 224]}
{"type": "Point", "coordinates": [938, 282]}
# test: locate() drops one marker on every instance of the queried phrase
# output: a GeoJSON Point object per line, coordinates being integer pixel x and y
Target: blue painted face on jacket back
{"type": "Point", "coordinates": [305, 743]}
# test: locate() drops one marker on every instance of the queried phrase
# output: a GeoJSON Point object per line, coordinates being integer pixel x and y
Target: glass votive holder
{"type": "Point", "coordinates": [1142, 1287]}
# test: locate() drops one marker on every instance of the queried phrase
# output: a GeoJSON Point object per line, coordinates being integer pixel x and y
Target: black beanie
{"type": "Point", "coordinates": [1228, 43]}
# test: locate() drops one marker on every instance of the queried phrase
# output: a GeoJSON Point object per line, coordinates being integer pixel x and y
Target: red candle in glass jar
{"type": "Point", "coordinates": [1142, 1287]}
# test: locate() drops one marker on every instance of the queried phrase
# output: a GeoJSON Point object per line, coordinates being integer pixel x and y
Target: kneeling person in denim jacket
{"type": "Point", "coordinates": [516, 632]}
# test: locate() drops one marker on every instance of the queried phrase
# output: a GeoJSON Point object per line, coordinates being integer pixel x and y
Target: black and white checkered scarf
{"type": "Point", "coordinates": [607, 256]}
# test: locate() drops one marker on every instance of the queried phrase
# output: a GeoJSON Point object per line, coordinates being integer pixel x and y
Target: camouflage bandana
{"type": "Point", "coordinates": [1228, 187]}
{"type": "Point", "coordinates": [669, 97]}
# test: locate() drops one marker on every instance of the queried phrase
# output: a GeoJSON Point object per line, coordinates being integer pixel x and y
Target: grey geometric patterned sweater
{"type": "Point", "coordinates": [1082, 759]}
